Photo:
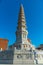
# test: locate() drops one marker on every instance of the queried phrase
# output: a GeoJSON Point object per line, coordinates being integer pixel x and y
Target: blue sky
{"type": "Point", "coordinates": [9, 10]}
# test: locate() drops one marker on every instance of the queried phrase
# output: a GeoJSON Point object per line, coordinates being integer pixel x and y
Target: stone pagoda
{"type": "Point", "coordinates": [23, 50]}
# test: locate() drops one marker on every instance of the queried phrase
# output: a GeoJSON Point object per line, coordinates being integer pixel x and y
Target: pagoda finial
{"type": "Point", "coordinates": [21, 9]}
{"type": "Point", "coordinates": [21, 5]}
{"type": "Point", "coordinates": [21, 13]}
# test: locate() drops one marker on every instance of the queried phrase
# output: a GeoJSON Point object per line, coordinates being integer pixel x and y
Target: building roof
{"type": "Point", "coordinates": [4, 39]}
{"type": "Point", "coordinates": [40, 47]}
